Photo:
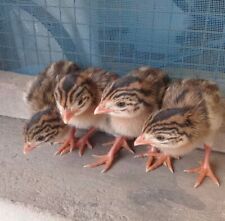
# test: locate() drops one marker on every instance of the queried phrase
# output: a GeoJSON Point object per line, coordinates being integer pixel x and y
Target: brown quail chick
{"type": "Point", "coordinates": [40, 97]}
{"type": "Point", "coordinates": [128, 101]}
{"type": "Point", "coordinates": [41, 90]}
{"type": "Point", "coordinates": [77, 97]}
{"type": "Point", "coordinates": [191, 115]}
{"type": "Point", "coordinates": [43, 127]}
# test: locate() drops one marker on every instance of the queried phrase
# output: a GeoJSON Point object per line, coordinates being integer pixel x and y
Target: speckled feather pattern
{"type": "Point", "coordinates": [141, 91]}
{"type": "Point", "coordinates": [40, 92]}
{"type": "Point", "coordinates": [191, 107]}
{"type": "Point", "coordinates": [88, 87]}
{"type": "Point", "coordinates": [46, 124]}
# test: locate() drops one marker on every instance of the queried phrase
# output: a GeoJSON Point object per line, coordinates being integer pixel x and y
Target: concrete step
{"type": "Point", "coordinates": [61, 186]}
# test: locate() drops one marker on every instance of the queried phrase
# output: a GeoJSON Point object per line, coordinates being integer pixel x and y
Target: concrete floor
{"type": "Point", "coordinates": [12, 211]}
{"type": "Point", "coordinates": [62, 186]}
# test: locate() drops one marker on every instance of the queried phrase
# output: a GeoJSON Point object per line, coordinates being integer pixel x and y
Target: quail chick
{"type": "Point", "coordinates": [191, 115]}
{"type": "Point", "coordinates": [41, 91]}
{"type": "Point", "coordinates": [40, 98]}
{"type": "Point", "coordinates": [43, 127]}
{"type": "Point", "coordinates": [77, 97]}
{"type": "Point", "coordinates": [128, 101]}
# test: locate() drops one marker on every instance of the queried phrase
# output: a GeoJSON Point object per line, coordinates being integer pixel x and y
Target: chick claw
{"type": "Point", "coordinates": [102, 159]}
{"type": "Point", "coordinates": [126, 146]}
{"type": "Point", "coordinates": [109, 143]}
{"type": "Point", "coordinates": [203, 172]}
{"type": "Point", "coordinates": [68, 146]}
{"type": "Point", "coordinates": [204, 169]}
{"type": "Point", "coordinates": [161, 159]}
{"type": "Point", "coordinates": [108, 159]}
{"type": "Point", "coordinates": [82, 143]}
{"type": "Point", "coordinates": [150, 156]}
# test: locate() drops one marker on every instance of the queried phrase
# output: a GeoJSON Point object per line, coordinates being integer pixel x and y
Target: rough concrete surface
{"type": "Point", "coordinates": [12, 89]}
{"type": "Point", "coordinates": [62, 186]}
{"type": "Point", "coordinates": [14, 211]}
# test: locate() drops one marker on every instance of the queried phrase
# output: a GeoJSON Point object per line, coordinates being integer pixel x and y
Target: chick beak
{"type": "Point", "coordinates": [101, 109]}
{"type": "Point", "coordinates": [141, 141]}
{"type": "Point", "coordinates": [67, 115]}
{"type": "Point", "coordinates": [28, 148]}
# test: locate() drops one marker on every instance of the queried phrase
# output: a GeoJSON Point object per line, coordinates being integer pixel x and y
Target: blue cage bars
{"type": "Point", "coordinates": [186, 35]}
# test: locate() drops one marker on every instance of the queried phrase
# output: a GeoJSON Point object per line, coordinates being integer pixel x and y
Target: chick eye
{"type": "Point", "coordinates": [120, 104]}
{"type": "Point", "coordinates": [80, 102]}
{"type": "Point", "coordinates": [159, 137]}
{"type": "Point", "coordinates": [40, 138]}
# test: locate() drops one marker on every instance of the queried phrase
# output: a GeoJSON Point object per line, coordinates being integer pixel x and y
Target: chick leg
{"type": "Point", "coordinates": [68, 144]}
{"type": "Point", "coordinates": [162, 158]}
{"type": "Point", "coordinates": [108, 159]}
{"type": "Point", "coordinates": [84, 141]}
{"type": "Point", "coordinates": [204, 170]}
{"type": "Point", "coordinates": [149, 155]}
{"type": "Point", "coordinates": [109, 143]}
{"type": "Point", "coordinates": [125, 145]}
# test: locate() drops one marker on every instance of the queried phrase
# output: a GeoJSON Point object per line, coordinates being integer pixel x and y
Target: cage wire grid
{"type": "Point", "coordinates": [186, 36]}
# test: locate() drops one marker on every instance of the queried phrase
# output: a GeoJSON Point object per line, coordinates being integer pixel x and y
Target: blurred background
{"type": "Point", "coordinates": [184, 36]}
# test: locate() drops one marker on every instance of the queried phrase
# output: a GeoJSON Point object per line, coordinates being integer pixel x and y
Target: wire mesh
{"type": "Point", "coordinates": [183, 35]}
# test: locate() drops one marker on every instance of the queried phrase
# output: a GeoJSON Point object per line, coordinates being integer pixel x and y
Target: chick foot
{"type": "Point", "coordinates": [108, 159]}
{"type": "Point", "coordinates": [68, 144]}
{"type": "Point", "coordinates": [204, 170]}
{"type": "Point", "coordinates": [124, 145]}
{"type": "Point", "coordinates": [149, 154]}
{"type": "Point", "coordinates": [162, 158]}
{"type": "Point", "coordinates": [109, 143]}
{"type": "Point", "coordinates": [84, 142]}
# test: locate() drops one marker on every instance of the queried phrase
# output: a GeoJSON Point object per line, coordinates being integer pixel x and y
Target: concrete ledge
{"type": "Point", "coordinates": [13, 86]}
{"type": "Point", "coordinates": [12, 89]}
{"type": "Point", "coordinates": [61, 186]}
